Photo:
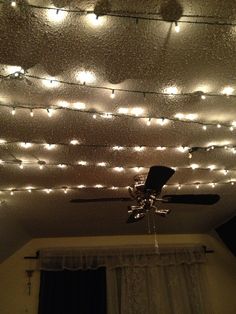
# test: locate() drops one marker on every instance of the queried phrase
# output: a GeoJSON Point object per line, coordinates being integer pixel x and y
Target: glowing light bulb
{"type": "Point", "coordinates": [29, 189]}
{"type": "Point", "coordinates": [194, 166]}
{"type": "Point", "coordinates": [149, 122]}
{"type": "Point", "coordinates": [160, 148]}
{"type": "Point", "coordinates": [95, 20]}
{"type": "Point", "coordinates": [62, 166]}
{"type": "Point", "coordinates": [213, 185]}
{"type": "Point", "coordinates": [172, 90]}
{"type": "Point", "coordinates": [232, 182]}
{"type": "Point", "coordinates": [65, 190]}
{"type": "Point", "coordinates": [227, 91]}
{"type": "Point", "coordinates": [231, 128]}
{"type": "Point", "coordinates": [162, 121]}
{"type": "Point", "coordinates": [86, 77]}
{"type": "Point", "coordinates": [79, 106]}
{"type": "Point", "coordinates": [204, 127]}
{"type": "Point", "coordinates": [26, 145]}
{"type": "Point", "coordinates": [113, 94]}
{"type": "Point", "coordinates": [13, 4]}
{"type": "Point", "coordinates": [50, 82]}
{"type": "Point", "coordinates": [218, 126]}
{"type": "Point", "coordinates": [98, 186]}
{"type": "Point", "coordinates": [94, 116]}
{"type": "Point", "coordinates": [48, 191]}
{"type": "Point", "coordinates": [117, 148]}
{"type": "Point", "coordinates": [74, 142]}
{"type": "Point", "coordinates": [211, 167]}
{"type": "Point", "coordinates": [182, 149]}
{"type": "Point", "coordinates": [177, 28]}
{"type": "Point", "coordinates": [41, 164]}
{"type": "Point", "coordinates": [119, 169]}
{"type": "Point", "coordinates": [82, 163]}
{"type": "Point", "coordinates": [31, 113]}
{"type": "Point", "coordinates": [102, 164]}
{"type": "Point", "coordinates": [49, 146]}
{"type": "Point", "coordinates": [179, 186]}
{"type": "Point", "coordinates": [203, 97]}
{"type": "Point", "coordinates": [197, 186]}
{"type": "Point", "coordinates": [139, 148]}
{"type": "Point", "coordinates": [179, 116]}
{"type": "Point", "coordinates": [56, 15]}
{"type": "Point", "coordinates": [49, 112]}
{"type": "Point", "coordinates": [12, 192]}
{"type": "Point", "coordinates": [21, 166]}
{"type": "Point", "coordinates": [225, 171]}
{"type": "Point", "coordinates": [138, 169]}
{"type": "Point", "coordinates": [81, 186]}
{"type": "Point", "coordinates": [114, 187]}
{"type": "Point", "coordinates": [107, 115]}
{"type": "Point", "coordinates": [13, 112]}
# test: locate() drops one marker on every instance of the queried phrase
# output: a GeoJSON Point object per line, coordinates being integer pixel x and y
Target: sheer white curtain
{"type": "Point", "coordinates": [164, 289]}
{"type": "Point", "coordinates": [141, 280]}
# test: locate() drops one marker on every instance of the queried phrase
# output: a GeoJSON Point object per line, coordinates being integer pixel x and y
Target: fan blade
{"type": "Point", "coordinates": [106, 199]}
{"type": "Point", "coordinates": [135, 216]}
{"type": "Point", "coordinates": [201, 199]}
{"type": "Point", "coordinates": [157, 177]}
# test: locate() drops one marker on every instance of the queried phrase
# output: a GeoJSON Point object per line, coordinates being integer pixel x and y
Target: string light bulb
{"type": "Point", "coordinates": [49, 112]}
{"type": "Point", "coordinates": [94, 116]}
{"type": "Point", "coordinates": [119, 169]}
{"type": "Point", "coordinates": [203, 97]}
{"type": "Point", "coordinates": [197, 186]}
{"type": "Point", "coordinates": [21, 166]}
{"type": "Point", "coordinates": [13, 112]}
{"type": "Point", "coordinates": [74, 142]}
{"type": "Point", "coordinates": [149, 122]}
{"type": "Point", "coordinates": [13, 4]}
{"type": "Point", "coordinates": [204, 127]}
{"type": "Point", "coordinates": [31, 113]}
{"type": "Point", "coordinates": [113, 94]}
{"type": "Point", "coordinates": [177, 28]}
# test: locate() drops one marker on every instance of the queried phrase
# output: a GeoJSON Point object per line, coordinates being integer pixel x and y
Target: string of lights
{"type": "Point", "coordinates": [66, 189]}
{"type": "Point", "coordinates": [146, 16]}
{"type": "Point", "coordinates": [42, 164]}
{"type": "Point", "coordinates": [169, 92]}
{"type": "Point", "coordinates": [140, 148]}
{"type": "Point", "coordinates": [136, 113]}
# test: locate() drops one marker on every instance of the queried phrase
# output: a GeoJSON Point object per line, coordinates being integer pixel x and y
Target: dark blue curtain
{"type": "Point", "coordinates": [73, 292]}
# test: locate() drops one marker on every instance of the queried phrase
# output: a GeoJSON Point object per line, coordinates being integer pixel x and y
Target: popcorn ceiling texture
{"type": "Point", "coordinates": [147, 55]}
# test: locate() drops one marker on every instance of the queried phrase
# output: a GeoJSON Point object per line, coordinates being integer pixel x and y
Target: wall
{"type": "Point", "coordinates": [221, 269]}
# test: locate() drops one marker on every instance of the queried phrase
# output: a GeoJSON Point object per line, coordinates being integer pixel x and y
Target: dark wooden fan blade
{"type": "Point", "coordinates": [133, 217]}
{"type": "Point", "coordinates": [201, 199]}
{"type": "Point", "coordinates": [106, 199]}
{"type": "Point", "coordinates": [157, 177]}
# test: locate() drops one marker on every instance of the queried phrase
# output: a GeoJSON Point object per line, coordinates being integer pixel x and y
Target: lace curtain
{"type": "Point", "coordinates": [142, 281]}
{"type": "Point", "coordinates": [75, 259]}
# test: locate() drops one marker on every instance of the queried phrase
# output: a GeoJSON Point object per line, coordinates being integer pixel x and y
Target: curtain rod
{"type": "Point", "coordinates": [36, 256]}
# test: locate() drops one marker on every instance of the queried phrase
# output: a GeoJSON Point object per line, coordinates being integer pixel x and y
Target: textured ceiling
{"type": "Point", "coordinates": [122, 53]}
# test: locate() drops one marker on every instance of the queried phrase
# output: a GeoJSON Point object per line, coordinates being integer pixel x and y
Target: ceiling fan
{"type": "Point", "coordinates": [147, 193]}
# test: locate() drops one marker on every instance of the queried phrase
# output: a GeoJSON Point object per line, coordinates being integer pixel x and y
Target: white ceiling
{"type": "Point", "coordinates": [121, 53]}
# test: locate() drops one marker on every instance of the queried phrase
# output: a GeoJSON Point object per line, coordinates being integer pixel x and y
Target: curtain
{"type": "Point", "coordinates": [142, 280]}
{"type": "Point", "coordinates": [169, 289]}
{"type": "Point", "coordinates": [73, 292]}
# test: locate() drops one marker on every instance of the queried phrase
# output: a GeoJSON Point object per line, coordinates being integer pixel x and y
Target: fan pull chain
{"type": "Point", "coordinates": [156, 244]}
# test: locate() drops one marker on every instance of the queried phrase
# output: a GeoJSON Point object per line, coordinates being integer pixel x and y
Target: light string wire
{"type": "Point", "coordinates": [105, 114]}
{"type": "Point", "coordinates": [163, 119]}
{"type": "Point", "coordinates": [100, 186]}
{"type": "Point", "coordinates": [135, 148]}
{"type": "Point", "coordinates": [20, 75]}
{"type": "Point", "coordinates": [146, 16]}
{"type": "Point", "coordinates": [105, 165]}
